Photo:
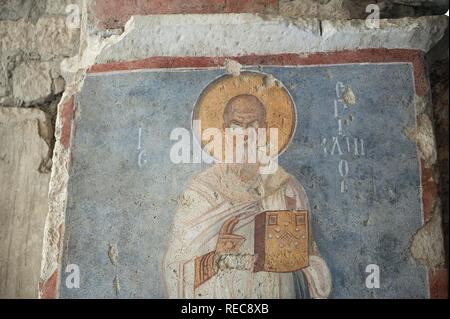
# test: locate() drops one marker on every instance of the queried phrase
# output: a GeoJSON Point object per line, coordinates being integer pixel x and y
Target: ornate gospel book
{"type": "Point", "coordinates": [281, 241]}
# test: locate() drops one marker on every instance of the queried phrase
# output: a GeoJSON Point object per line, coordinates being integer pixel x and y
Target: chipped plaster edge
{"type": "Point", "coordinates": [74, 71]}
{"type": "Point", "coordinates": [427, 243]}
{"type": "Point", "coordinates": [95, 50]}
{"type": "Point", "coordinates": [241, 34]}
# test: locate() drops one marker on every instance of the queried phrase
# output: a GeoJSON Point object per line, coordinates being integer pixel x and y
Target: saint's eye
{"type": "Point", "coordinates": [254, 124]}
{"type": "Point", "coordinates": [234, 125]}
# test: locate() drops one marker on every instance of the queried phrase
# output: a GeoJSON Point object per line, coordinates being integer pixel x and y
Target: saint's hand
{"type": "Point", "coordinates": [229, 243]}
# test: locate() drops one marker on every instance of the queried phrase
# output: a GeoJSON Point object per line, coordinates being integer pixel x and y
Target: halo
{"type": "Point", "coordinates": [280, 107]}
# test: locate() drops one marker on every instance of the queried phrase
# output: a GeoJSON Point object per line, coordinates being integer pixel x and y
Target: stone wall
{"type": "Point", "coordinates": [34, 39]}
{"type": "Point", "coordinates": [41, 50]}
{"type": "Point", "coordinates": [25, 163]}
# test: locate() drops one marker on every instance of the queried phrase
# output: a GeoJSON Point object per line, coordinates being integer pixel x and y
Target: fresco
{"type": "Point", "coordinates": [319, 198]}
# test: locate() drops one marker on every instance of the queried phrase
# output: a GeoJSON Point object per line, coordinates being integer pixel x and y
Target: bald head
{"type": "Point", "coordinates": [244, 111]}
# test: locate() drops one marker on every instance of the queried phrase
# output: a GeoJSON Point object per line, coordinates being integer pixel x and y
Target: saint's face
{"type": "Point", "coordinates": [244, 119]}
{"type": "Point", "coordinates": [244, 116]}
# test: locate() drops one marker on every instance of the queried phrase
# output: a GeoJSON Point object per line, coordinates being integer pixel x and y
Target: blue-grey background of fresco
{"type": "Point", "coordinates": [113, 201]}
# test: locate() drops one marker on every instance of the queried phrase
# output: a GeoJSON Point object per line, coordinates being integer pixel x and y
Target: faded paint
{"type": "Point", "coordinates": [152, 202]}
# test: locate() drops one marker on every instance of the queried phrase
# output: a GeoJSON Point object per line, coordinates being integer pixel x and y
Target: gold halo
{"type": "Point", "coordinates": [280, 108]}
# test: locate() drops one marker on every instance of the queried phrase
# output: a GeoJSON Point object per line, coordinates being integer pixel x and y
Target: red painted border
{"type": "Point", "coordinates": [438, 282]}
{"type": "Point", "coordinates": [342, 57]}
{"type": "Point", "coordinates": [49, 288]}
{"type": "Point", "coordinates": [67, 114]}
{"type": "Point", "coordinates": [438, 278]}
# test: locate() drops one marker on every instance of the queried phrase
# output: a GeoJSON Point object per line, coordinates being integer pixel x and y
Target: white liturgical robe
{"type": "Point", "coordinates": [214, 196]}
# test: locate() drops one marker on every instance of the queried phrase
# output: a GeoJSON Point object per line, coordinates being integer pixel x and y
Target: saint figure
{"type": "Point", "coordinates": [211, 251]}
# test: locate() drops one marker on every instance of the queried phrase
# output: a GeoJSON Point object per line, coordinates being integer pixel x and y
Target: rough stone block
{"type": "Point", "coordinates": [48, 37]}
{"type": "Point", "coordinates": [32, 82]}
{"type": "Point", "coordinates": [15, 10]}
{"type": "Point", "coordinates": [4, 83]}
{"type": "Point", "coordinates": [25, 135]}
